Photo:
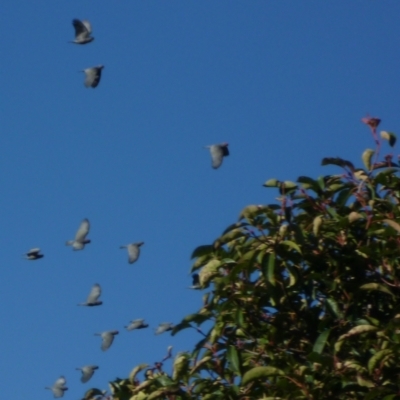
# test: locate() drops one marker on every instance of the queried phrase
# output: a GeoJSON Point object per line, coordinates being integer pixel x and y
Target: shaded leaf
{"type": "Point", "coordinates": [260, 373]}
{"type": "Point", "coordinates": [321, 341]}
{"type": "Point", "coordinates": [337, 161]}
{"type": "Point", "coordinates": [233, 358]}
{"type": "Point", "coordinates": [377, 286]}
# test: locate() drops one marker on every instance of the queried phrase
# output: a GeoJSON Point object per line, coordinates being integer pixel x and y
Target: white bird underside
{"type": "Point", "coordinates": [107, 339]}
{"type": "Point", "coordinates": [80, 237]}
{"type": "Point", "coordinates": [93, 76]}
{"type": "Point", "coordinates": [87, 372]}
{"type": "Point", "coordinates": [218, 152]}
{"type": "Point", "coordinates": [59, 387]}
{"type": "Point", "coordinates": [136, 324]}
{"type": "Point", "coordinates": [83, 29]}
{"type": "Point", "coordinates": [93, 298]}
{"type": "Point", "coordinates": [133, 251]}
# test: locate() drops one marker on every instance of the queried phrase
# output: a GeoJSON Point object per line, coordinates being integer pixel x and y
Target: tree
{"type": "Point", "coordinates": [301, 297]}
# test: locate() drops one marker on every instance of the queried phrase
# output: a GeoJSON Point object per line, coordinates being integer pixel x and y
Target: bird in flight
{"type": "Point", "coordinates": [93, 298]}
{"type": "Point", "coordinates": [107, 339]}
{"type": "Point", "coordinates": [83, 29]}
{"type": "Point", "coordinates": [59, 387]}
{"type": "Point", "coordinates": [33, 254]}
{"type": "Point", "coordinates": [87, 372]}
{"type": "Point", "coordinates": [133, 251]}
{"type": "Point", "coordinates": [92, 76]}
{"type": "Point", "coordinates": [136, 324]}
{"type": "Point", "coordinates": [218, 152]}
{"type": "Point", "coordinates": [80, 237]}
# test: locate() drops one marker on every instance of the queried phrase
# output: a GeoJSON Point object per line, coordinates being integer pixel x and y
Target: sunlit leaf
{"type": "Point", "coordinates": [367, 157]}
{"type": "Point", "coordinates": [390, 137]}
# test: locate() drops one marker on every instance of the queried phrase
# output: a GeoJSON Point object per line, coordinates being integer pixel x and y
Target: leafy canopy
{"type": "Point", "coordinates": [301, 297]}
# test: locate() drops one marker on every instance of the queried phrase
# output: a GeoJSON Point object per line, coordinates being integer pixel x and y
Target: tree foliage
{"type": "Point", "coordinates": [301, 297]}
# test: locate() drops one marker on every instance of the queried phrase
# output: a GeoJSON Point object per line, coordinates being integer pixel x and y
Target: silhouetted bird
{"type": "Point", "coordinates": [107, 338]}
{"type": "Point", "coordinates": [83, 29]}
{"type": "Point", "coordinates": [218, 152]}
{"type": "Point", "coordinates": [33, 254]}
{"type": "Point", "coordinates": [80, 237]}
{"type": "Point", "coordinates": [133, 251]}
{"type": "Point", "coordinates": [93, 298]}
{"type": "Point", "coordinates": [87, 372]}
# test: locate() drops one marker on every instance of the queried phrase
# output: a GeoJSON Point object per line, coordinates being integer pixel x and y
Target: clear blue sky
{"type": "Point", "coordinates": [284, 82]}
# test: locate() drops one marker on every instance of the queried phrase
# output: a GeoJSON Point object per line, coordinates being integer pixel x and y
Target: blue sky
{"type": "Point", "coordinates": [285, 83]}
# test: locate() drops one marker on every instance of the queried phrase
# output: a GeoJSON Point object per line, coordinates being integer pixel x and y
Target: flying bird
{"type": "Point", "coordinates": [136, 324]}
{"type": "Point", "coordinates": [80, 237]}
{"type": "Point", "coordinates": [87, 372]}
{"type": "Point", "coordinates": [93, 76]}
{"type": "Point", "coordinates": [93, 298]}
{"type": "Point", "coordinates": [133, 251]}
{"type": "Point", "coordinates": [83, 29]}
{"type": "Point", "coordinates": [218, 152]}
{"type": "Point", "coordinates": [33, 254]}
{"type": "Point", "coordinates": [164, 327]}
{"type": "Point", "coordinates": [107, 338]}
{"type": "Point", "coordinates": [59, 387]}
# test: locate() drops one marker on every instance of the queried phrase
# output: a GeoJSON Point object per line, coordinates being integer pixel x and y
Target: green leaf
{"type": "Point", "coordinates": [199, 365]}
{"type": "Point", "coordinates": [239, 317]}
{"type": "Point", "coordinates": [367, 158]}
{"type": "Point", "coordinates": [136, 370]}
{"type": "Point", "coordinates": [91, 393]}
{"type": "Point", "coordinates": [331, 303]}
{"type": "Point", "coordinates": [202, 250]}
{"type": "Point", "coordinates": [156, 395]}
{"type": "Point", "coordinates": [377, 286]}
{"type": "Point", "coordinates": [321, 341]}
{"type": "Point", "coordinates": [309, 183]}
{"type": "Point", "coordinates": [268, 268]}
{"type": "Point", "coordinates": [364, 382]}
{"type": "Point", "coordinates": [291, 245]}
{"type": "Point", "coordinates": [377, 357]}
{"type": "Point", "coordinates": [337, 161]}
{"type": "Point", "coordinates": [233, 357]}
{"type": "Point", "coordinates": [389, 136]}
{"type": "Point", "coordinates": [357, 330]}
{"type": "Point", "coordinates": [271, 183]}
{"type": "Point", "coordinates": [393, 224]}
{"type": "Point", "coordinates": [260, 373]}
